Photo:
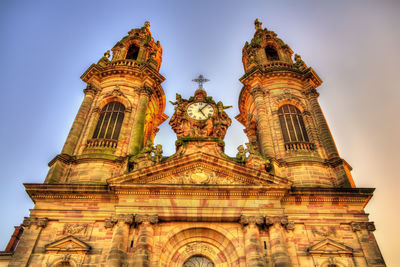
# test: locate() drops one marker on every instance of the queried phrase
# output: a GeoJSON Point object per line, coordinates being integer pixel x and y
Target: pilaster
{"type": "Point", "coordinates": [279, 251]}
{"type": "Point", "coordinates": [136, 141]}
{"type": "Point", "coordinates": [79, 121]}
{"type": "Point", "coordinates": [144, 245]}
{"type": "Point", "coordinates": [121, 225]}
{"type": "Point", "coordinates": [33, 228]}
{"type": "Point", "coordinates": [263, 127]}
{"type": "Point", "coordinates": [252, 242]}
{"type": "Point", "coordinates": [366, 238]}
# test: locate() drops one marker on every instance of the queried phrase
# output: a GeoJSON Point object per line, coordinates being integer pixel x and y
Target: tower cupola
{"type": "Point", "coordinates": [139, 47]}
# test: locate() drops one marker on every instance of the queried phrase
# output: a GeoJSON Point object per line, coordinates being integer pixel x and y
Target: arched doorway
{"type": "Point", "coordinates": [198, 261]}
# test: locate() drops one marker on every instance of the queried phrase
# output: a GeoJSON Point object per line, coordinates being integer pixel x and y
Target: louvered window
{"type": "Point", "coordinates": [292, 124]}
{"type": "Point", "coordinates": [110, 121]}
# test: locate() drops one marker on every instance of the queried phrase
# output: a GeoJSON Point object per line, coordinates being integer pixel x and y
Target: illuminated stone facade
{"type": "Point", "coordinates": [112, 199]}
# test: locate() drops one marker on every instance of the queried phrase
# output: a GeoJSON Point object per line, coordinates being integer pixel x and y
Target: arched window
{"type": "Point", "coordinates": [110, 121]}
{"type": "Point", "coordinates": [292, 124]}
{"type": "Point", "coordinates": [198, 261]}
{"type": "Point", "coordinates": [64, 264]}
{"type": "Point", "coordinates": [271, 53]}
{"type": "Point", "coordinates": [133, 52]}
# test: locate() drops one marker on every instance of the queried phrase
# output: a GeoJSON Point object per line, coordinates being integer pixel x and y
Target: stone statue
{"type": "Point", "coordinates": [158, 153]}
{"type": "Point", "coordinates": [178, 101]}
{"type": "Point", "coordinates": [241, 155]}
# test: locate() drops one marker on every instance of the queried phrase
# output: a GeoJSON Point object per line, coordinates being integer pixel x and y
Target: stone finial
{"type": "Point", "coordinates": [257, 24]}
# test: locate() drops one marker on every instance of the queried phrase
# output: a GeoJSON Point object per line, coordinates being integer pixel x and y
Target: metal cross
{"type": "Point", "coordinates": [200, 80]}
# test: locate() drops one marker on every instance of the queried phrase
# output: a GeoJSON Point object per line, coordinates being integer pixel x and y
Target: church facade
{"type": "Point", "coordinates": [111, 198]}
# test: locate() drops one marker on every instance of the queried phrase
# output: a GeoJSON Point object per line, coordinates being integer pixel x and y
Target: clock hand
{"type": "Point", "coordinates": [202, 112]}
{"type": "Point", "coordinates": [203, 107]}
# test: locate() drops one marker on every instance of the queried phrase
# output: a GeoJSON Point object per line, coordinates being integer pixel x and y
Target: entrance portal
{"type": "Point", "coordinates": [198, 261]}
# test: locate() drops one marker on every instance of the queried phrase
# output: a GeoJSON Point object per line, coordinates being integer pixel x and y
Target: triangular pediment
{"type": "Point", "coordinates": [199, 168]}
{"type": "Point", "coordinates": [329, 246]}
{"type": "Point", "coordinates": [68, 244]}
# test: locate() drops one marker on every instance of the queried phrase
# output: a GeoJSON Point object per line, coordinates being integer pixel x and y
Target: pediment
{"type": "Point", "coordinates": [68, 244]}
{"type": "Point", "coordinates": [329, 246]}
{"type": "Point", "coordinates": [201, 169]}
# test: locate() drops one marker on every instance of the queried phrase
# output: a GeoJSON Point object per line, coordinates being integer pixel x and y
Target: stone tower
{"type": "Point", "coordinates": [123, 106]}
{"type": "Point", "coordinates": [280, 112]}
{"type": "Point", "coordinates": [112, 198]}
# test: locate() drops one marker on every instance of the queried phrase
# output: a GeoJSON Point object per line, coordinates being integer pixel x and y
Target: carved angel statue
{"type": "Point", "coordinates": [241, 155]}
{"type": "Point", "coordinates": [178, 101]}
{"type": "Point", "coordinates": [158, 153]}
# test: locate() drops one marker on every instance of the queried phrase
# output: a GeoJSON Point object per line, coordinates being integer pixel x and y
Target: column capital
{"type": "Point", "coordinates": [145, 218]}
{"type": "Point", "coordinates": [358, 226]}
{"type": "Point", "coordinates": [90, 90]}
{"type": "Point", "coordinates": [255, 220]}
{"type": "Point", "coordinates": [257, 91]}
{"type": "Point", "coordinates": [40, 222]}
{"type": "Point", "coordinates": [146, 90]}
{"type": "Point", "coordinates": [311, 92]}
{"type": "Point", "coordinates": [278, 220]}
{"type": "Point", "coordinates": [126, 218]}
{"type": "Point", "coordinates": [110, 222]}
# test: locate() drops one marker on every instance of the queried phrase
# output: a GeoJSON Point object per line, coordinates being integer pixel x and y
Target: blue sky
{"type": "Point", "coordinates": [352, 45]}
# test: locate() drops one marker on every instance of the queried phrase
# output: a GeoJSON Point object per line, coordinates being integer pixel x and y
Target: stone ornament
{"type": "Point", "coordinates": [75, 228]}
{"type": "Point", "coordinates": [358, 226]}
{"type": "Point", "coordinates": [145, 218]}
{"type": "Point", "coordinates": [214, 124]}
{"type": "Point", "coordinates": [109, 223]}
{"type": "Point", "coordinates": [246, 220]}
{"type": "Point", "coordinates": [198, 247]}
{"type": "Point", "coordinates": [323, 231]}
{"type": "Point", "coordinates": [272, 220]}
{"type": "Point", "coordinates": [40, 222]}
{"type": "Point", "coordinates": [148, 156]}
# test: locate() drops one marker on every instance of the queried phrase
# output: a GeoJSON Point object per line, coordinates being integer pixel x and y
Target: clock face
{"type": "Point", "coordinates": [200, 111]}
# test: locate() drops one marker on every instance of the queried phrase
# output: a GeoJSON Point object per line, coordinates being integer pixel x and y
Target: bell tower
{"type": "Point", "coordinates": [280, 112]}
{"type": "Point", "coordinates": [123, 106]}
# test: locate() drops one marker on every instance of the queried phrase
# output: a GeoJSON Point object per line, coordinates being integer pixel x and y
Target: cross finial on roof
{"type": "Point", "coordinates": [200, 80]}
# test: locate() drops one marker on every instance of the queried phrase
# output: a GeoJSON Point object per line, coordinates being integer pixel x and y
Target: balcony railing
{"type": "Point", "coordinates": [102, 143]}
{"type": "Point", "coordinates": [296, 146]}
{"type": "Point", "coordinates": [277, 65]}
{"type": "Point", "coordinates": [126, 62]}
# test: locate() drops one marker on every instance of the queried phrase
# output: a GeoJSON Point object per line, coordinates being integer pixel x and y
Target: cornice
{"type": "Point", "coordinates": [126, 67]}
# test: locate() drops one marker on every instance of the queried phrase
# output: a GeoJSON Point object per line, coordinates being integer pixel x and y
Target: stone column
{"type": "Point", "coordinates": [370, 248]}
{"type": "Point", "coordinates": [279, 253]}
{"type": "Point", "coordinates": [117, 255]}
{"type": "Point", "coordinates": [79, 122]}
{"type": "Point", "coordinates": [144, 245]}
{"type": "Point", "coordinates": [326, 136]}
{"type": "Point", "coordinates": [29, 239]}
{"type": "Point", "coordinates": [252, 242]}
{"type": "Point", "coordinates": [137, 135]}
{"type": "Point", "coordinates": [263, 127]}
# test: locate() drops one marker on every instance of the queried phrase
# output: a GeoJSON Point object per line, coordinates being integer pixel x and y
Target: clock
{"type": "Point", "coordinates": [200, 111]}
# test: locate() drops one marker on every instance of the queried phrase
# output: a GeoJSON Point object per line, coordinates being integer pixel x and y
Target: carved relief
{"type": "Point", "coordinates": [73, 229]}
{"type": "Point", "coordinates": [324, 231]}
{"type": "Point", "coordinates": [198, 176]}
{"type": "Point", "coordinates": [198, 247]}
